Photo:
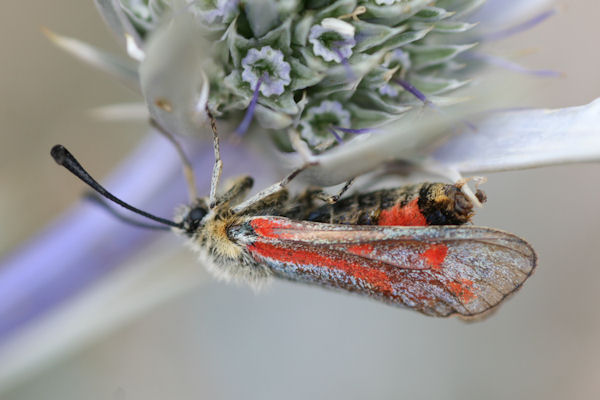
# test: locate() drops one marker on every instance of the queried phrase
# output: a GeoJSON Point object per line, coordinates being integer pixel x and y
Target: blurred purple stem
{"type": "Point", "coordinates": [87, 243]}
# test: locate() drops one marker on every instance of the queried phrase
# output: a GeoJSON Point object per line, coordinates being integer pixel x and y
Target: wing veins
{"type": "Point", "coordinates": [429, 271]}
{"type": "Point", "coordinates": [515, 258]}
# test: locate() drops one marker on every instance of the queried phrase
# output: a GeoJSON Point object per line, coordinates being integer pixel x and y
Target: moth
{"type": "Point", "coordinates": [406, 246]}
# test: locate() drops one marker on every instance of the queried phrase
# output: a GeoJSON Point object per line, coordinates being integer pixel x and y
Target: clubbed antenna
{"type": "Point", "coordinates": [63, 157]}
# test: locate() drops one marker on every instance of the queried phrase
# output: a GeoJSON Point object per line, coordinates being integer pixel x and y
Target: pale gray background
{"type": "Point", "coordinates": [292, 341]}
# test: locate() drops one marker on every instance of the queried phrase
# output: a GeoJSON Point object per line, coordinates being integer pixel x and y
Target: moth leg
{"type": "Point", "coordinates": [236, 191]}
{"type": "Point", "coordinates": [188, 171]}
{"type": "Point", "coordinates": [273, 201]}
{"type": "Point", "coordinates": [309, 160]}
{"type": "Point", "coordinates": [277, 187]}
{"type": "Point", "coordinates": [218, 167]}
{"type": "Point", "coordinates": [321, 195]}
{"type": "Point", "coordinates": [307, 198]}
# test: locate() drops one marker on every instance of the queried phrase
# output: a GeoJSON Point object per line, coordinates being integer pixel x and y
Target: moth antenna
{"type": "Point", "coordinates": [63, 157]}
{"type": "Point", "coordinates": [218, 167]}
{"type": "Point", "coordinates": [93, 197]}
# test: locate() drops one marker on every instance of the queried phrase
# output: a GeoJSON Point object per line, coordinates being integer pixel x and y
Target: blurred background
{"type": "Point", "coordinates": [292, 341]}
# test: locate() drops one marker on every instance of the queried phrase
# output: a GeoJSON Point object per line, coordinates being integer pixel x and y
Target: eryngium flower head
{"type": "Point", "coordinates": [280, 60]}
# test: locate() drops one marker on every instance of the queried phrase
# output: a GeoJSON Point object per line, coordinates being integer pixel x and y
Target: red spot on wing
{"type": "Point", "coordinates": [376, 278]}
{"type": "Point", "coordinates": [409, 215]}
{"type": "Point", "coordinates": [462, 290]}
{"type": "Point", "coordinates": [407, 270]}
{"type": "Point", "coordinates": [361, 249]}
{"type": "Point", "coordinates": [268, 227]}
{"type": "Point", "coordinates": [435, 255]}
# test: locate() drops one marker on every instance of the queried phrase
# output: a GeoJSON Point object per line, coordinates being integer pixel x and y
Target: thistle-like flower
{"type": "Point", "coordinates": [266, 71]}
{"type": "Point", "coordinates": [332, 40]}
{"type": "Point", "coordinates": [282, 60]}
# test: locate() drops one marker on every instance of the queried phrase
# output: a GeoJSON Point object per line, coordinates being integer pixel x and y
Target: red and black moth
{"type": "Point", "coordinates": [406, 246]}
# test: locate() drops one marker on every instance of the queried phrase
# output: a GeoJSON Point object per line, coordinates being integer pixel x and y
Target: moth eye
{"type": "Point", "coordinates": [197, 214]}
{"type": "Point", "coordinates": [192, 220]}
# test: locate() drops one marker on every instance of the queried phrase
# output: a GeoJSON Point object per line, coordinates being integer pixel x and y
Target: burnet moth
{"type": "Point", "coordinates": [405, 246]}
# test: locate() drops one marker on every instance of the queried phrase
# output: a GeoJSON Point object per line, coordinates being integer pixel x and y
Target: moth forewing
{"type": "Point", "coordinates": [435, 270]}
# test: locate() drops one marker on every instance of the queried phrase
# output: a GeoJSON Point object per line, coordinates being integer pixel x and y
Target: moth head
{"type": "Point", "coordinates": [192, 217]}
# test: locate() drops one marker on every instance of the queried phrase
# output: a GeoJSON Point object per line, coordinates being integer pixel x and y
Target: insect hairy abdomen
{"type": "Point", "coordinates": [412, 205]}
